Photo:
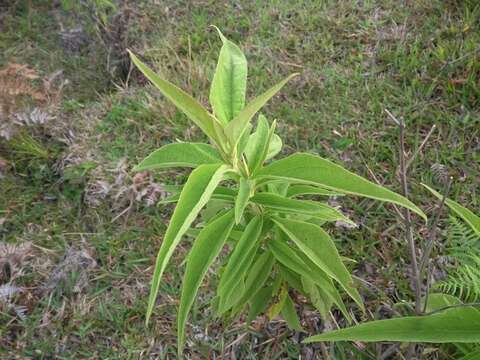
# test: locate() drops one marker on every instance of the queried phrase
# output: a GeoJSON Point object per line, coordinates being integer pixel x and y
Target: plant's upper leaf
{"type": "Point", "coordinates": [312, 169]}
{"type": "Point", "coordinates": [241, 200]}
{"type": "Point", "coordinates": [195, 194]}
{"type": "Point", "coordinates": [240, 261]}
{"type": "Point", "coordinates": [453, 325]}
{"type": "Point", "coordinates": [227, 93]}
{"type": "Point", "coordinates": [205, 249]}
{"type": "Point", "coordinates": [302, 207]}
{"type": "Point", "coordinates": [274, 147]}
{"type": "Point", "coordinates": [317, 245]}
{"type": "Point", "coordinates": [468, 216]}
{"type": "Point", "coordinates": [188, 105]}
{"type": "Point", "coordinates": [257, 143]}
{"type": "Point", "coordinates": [296, 190]}
{"type": "Point", "coordinates": [237, 126]}
{"type": "Point", "coordinates": [180, 155]}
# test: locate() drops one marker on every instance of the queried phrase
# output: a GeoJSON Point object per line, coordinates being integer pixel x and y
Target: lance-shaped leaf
{"type": "Point", "coordinates": [256, 277]}
{"type": "Point", "coordinates": [188, 105]}
{"type": "Point", "coordinates": [205, 249]}
{"type": "Point", "coordinates": [303, 207]}
{"type": "Point", "coordinates": [227, 93]}
{"type": "Point", "coordinates": [452, 325]}
{"type": "Point", "coordinates": [259, 303]}
{"type": "Point", "coordinates": [180, 155]}
{"type": "Point", "coordinates": [257, 143]}
{"type": "Point", "coordinates": [287, 256]}
{"type": "Point", "coordinates": [290, 315]}
{"type": "Point", "coordinates": [468, 216]}
{"type": "Point", "coordinates": [239, 262]}
{"type": "Point", "coordinates": [241, 200]}
{"type": "Point", "coordinates": [195, 194]}
{"type": "Point", "coordinates": [237, 126]}
{"type": "Point", "coordinates": [296, 190]}
{"type": "Point", "coordinates": [314, 170]}
{"type": "Point", "coordinates": [317, 245]}
{"type": "Point", "coordinates": [274, 147]}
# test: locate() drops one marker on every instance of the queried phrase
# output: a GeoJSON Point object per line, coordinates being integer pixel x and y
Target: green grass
{"type": "Point", "coordinates": [419, 59]}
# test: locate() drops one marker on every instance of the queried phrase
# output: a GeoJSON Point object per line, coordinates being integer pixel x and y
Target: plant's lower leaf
{"type": "Point", "coordinates": [205, 249]}
{"type": "Point", "coordinates": [317, 245]}
{"type": "Point", "coordinates": [317, 297]}
{"type": "Point", "coordinates": [279, 302]}
{"type": "Point", "coordinates": [256, 278]}
{"type": "Point", "coordinates": [290, 315]}
{"type": "Point", "coordinates": [293, 260]}
{"type": "Point", "coordinates": [460, 324]}
{"type": "Point", "coordinates": [259, 303]}
{"type": "Point", "coordinates": [239, 262]}
{"type": "Point", "coordinates": [195, 194]}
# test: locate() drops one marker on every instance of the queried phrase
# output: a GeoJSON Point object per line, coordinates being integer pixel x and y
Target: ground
{"type": "Point", "coordinates": [79, 231]}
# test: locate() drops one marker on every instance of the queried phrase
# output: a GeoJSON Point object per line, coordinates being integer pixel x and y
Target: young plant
{"type": "Point", "coordinates": [274, 235]}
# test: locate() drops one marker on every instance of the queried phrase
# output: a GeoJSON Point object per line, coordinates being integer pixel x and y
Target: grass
{"type": "Point", "coordinates": [418, 59]}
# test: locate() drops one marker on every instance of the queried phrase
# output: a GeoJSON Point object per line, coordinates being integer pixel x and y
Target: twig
{"type": "Point", "coordinates": [406, 215]}
{"type": "Point", "coordinates": [432, 233]}
{"type": "Point", "coordinates": [415, 154]}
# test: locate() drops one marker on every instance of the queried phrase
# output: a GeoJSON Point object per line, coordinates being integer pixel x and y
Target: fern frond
{"type": "Point", "coordinates": [463, 246]}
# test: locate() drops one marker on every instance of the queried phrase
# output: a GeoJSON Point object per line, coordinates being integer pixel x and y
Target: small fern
{"type": "Point", "coordinates": [463, 246]}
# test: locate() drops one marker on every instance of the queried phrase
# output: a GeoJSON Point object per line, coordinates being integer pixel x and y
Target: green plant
{"type": "Point", "coordinates": [447, 319]}
{"type": "Point", "coordinates": [276, 239]}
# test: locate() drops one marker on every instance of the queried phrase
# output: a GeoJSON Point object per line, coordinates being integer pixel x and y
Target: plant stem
{"type": "Point", "coordinates": [408, 221]}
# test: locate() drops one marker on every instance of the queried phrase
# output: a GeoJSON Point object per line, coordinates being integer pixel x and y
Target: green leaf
{"type": "Point", "coordinates": [241, 201]}
{"type": "Point", "coordinates": [468, 216]}
{"type": "Point", "coordinates": [240, 261]}
{"type": "Point", "coordinates": [438, 301]}
{"type": "Point", "coordinates": [290, 315]}
{"type": "Point", "coordinates": [313, 170]}
{"type": "Point", "coordinates": [452, 325]}
{"type": "Point", "coordinates": [180, 155]}
{"type": "Point", "coordinates": [257, 144]}
{"type": "Point", "coordinates": [303, 207]}
{"type": "Point", "coordinates": [195, 194]}
{"type": "Point", "coordinates": [259, 303]}
{"type": "Point", "coordinates": [279, 302]}
{"type": "Point", "coordinates": [287, 256]}
{"type": "Point", "coordinates": [274, 147]}
{"type": "Point", "coordinates": [188, 105]}
{"type": "Point", "coordinates": [296, 190]}
{"type": "Point", "coordinates": [317, 245]}
{"type": "Point", "coordinates": [205, 249]}
{"type": "Point", "coordinates": [237, 126]}
{"type": "Point", "coordinates": [318, 298]}
{"type": "Point", "coordinates": [227, 93]}
{"type": "Point", "coordinates": [256, 277]}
